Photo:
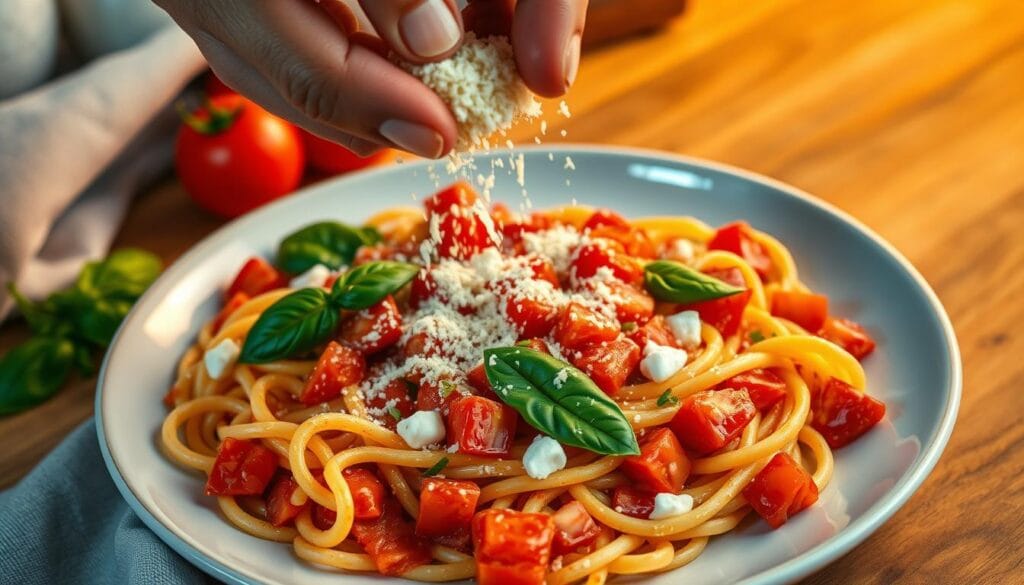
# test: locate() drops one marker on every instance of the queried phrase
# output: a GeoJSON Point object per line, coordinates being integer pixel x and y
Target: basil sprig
{"type": "Point", "coordinates": [70, 325]}
{"type": "Point", "coordinates": [676, 283]}
{"type": "Point", "coordinates": [559, 400]}
{"type": "Point", "coordinates": [308, 317]}
{"type": "Point", "coordinates": [330, 243]}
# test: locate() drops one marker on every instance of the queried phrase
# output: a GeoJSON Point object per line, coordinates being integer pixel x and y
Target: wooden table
{"type": "Point", "coordinates": [909, 114]}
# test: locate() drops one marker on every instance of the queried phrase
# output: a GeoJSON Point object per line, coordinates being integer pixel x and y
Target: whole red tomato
{"type": "Point", "coordinates": [328, 157]}
{"type": "Point", "coordinates": [233, 156]}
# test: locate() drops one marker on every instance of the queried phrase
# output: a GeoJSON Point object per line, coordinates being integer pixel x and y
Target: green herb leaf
{"type": "Point", "coordinates": [447, 387]}
{"type": "Point", "coordinates": [41, 317]}
{"type": "Point", "coordinates": [294, 324]}
{"type": "Point", "coordinates": [667, 398]}
{"type": "Point", "coordinates": [395, 413]}
{"type": "Point", "coordinates": [34, 371]}
{"type": "Point", "coordinates": [330, 243]}
{"type": "Point", "coordinates": [756, 336]}
{"type": "Point", "coordinates": [436, 468]}
{"type": "Point", "coordinates": [671, 281]}
{"type": "Point", "coordinates": [368, 284]}
{"type": "Point", "coordinates": [124, 275]}
{"type": "Point", "coordinates": [572, 410]}
{"type": "Point", "coordinates": [370, 235]}
{"type": "Point", "coordinates": [629, 327]}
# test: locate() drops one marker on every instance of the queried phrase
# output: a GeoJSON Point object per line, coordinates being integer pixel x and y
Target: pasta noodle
{"type": "Point", "coordinates": [317, 445]}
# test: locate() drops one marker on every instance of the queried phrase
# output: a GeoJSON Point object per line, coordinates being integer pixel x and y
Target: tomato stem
{"type": "Point", "coordinates": [208, 119]}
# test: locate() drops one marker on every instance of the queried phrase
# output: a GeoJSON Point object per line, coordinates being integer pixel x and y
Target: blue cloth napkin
{"type": "Point", "coordinates": [66, 523]}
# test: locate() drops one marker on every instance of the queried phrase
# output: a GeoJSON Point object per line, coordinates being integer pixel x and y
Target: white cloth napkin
{"type": "Point", "coordinates": [74, 152]}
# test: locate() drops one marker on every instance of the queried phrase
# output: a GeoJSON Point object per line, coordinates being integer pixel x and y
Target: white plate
{"type": "Point", "coordinates": [916, 369]}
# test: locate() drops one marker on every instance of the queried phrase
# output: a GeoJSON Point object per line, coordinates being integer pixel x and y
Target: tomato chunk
{"type": "Point", "coordinates": [765, 387]}
{"type": "Point", "coordinates": [280, 509]}
{"type": "Point", "coordinates": [579, 327]}
{"type": "Point", "coordinates": [632, 502]}
{"type": "Point", "coordinates": [590, 258]}
{"type": "Point", "coordinates": [390, 542]}
{"type": "Point", "coordinates": [608, 364]}
{"type": "Point", "coordinates": [394, 395]}
{"type": "Point", "coordinates": [242, 468]}
{"type": "Point", "coordinates": [709, 420]}
{"type": "Point", "coordinates": [605, 223]}
{"type": "Point", "coordinates": [842, 414]}
{"type": "Point", "coordinates": [606, 218]}
{"type": "Point", "coordinates": [631, 303]}
{"type": "Point", "coordinates": [446, 506]}
{"type": "Point", "coordinates": [439, 396]}
{"type": "Point", "coordinates": [459, 194]}
{"type": "Point", "coordinates": [738, 238]}
{"type": "Point", "coordinates": [543, 269]}
{"type": "Point", "coordinates": [480, 426]}
{"type": "Point", "coordinates": [724, 314]}
{"type": "Point", "coordinates": [256, 277]}
{"type": "Point", "coordinates": [236, 301]}
{"type": "Point", "coordinates": [367, 493]}
{"type": "Point", "coordinates": [462, 231]}
{"type": "Point", "coordinates": [807, 310]}
{"type": "Point", "coordinates": [338, 367]}
{"type": "Point", "coordinates": [372, 329]}
{"type": "Point", "coordinates": [848, 335]}
{"type": "Point", "coordinates": [531, 317]}
{"type": "Point", "coordinates": [780, 490]}
{"type": "Point", "coordinates": [512, 548]}
{"type": "Point", "coordinates": [574, 528]}
{"type": "Point", "coordinates": [661, 466]}
{"type": "Point", "coordinates": [656, 331]}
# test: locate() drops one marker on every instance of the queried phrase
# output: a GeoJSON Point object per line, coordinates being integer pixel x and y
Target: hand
{"type": "Point", "coordinates": [305, 61]}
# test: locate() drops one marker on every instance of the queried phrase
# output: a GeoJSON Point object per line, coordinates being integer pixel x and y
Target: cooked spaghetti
{"type": "Point", "coordinates": [558, 397]}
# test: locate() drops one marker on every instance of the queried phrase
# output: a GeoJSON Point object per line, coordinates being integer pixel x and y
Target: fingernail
{"type": "Point", "coordinates": [572, 59]}
{"type": "Point", "coordinates": [429, 29]}
{"type": "Point", "coordinates": [415, 138]}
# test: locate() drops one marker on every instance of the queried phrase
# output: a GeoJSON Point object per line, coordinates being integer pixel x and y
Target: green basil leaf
{"type": "Point", "coordinates": [42, 317]}
{"type": "Point", "coordinates": [124, 275]}
{"type": "Point", "coordinates": [674, 282]}
{"type": "Point", "coordinates": [294, 324]}
{"type": "Point", "coordinates": [34, 371]}
{"type": "Point", "coordinates": [330, 243]}
{"type": "Point", "coordinates": [370, 235]}
{"type": "Point", "coordinates": [368, 284]}
{"type": "Point", "coordinates": [559, 400]}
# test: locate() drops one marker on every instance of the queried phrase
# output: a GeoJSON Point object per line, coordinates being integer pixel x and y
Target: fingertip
{"type": "Point", "coordinates": [547, 36]}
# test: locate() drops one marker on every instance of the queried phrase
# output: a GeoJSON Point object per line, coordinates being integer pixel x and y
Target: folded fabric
{"type": "Point", "coordinates": [66, 523]}
{"type": "Point", "coordinates": [74, 152]}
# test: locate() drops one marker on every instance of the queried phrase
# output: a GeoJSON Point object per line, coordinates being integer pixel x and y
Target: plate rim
{"type": "Point", "coordinates": [798, 567]}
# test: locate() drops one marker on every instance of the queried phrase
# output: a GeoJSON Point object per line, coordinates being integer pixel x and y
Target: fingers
{"type": "Point", "coordinates": [417, 30]}
{"type": "Point", "coordinates": [546, 35]}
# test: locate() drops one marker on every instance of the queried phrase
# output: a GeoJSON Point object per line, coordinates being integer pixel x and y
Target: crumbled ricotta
{"type": "Point", "coordinates": [667, 505]}
{"type": "Point", "coordinates": [314, 277]}
{"type": "Point", "coordinates": [661, 362]}
{"type": "Point", "coordinates": [543, 457]}
{"type": "Point", "coordinates": [685, 326]}
{"type": "Point", "coordinates": [221, 357]}
{"type": "Point", "coordinates": [422, 428]}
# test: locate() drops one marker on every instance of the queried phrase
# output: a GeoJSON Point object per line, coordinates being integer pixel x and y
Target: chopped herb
{"type": "Point", "coordinates": [667, 398]}
{"type": "Point", "coordinates": [629, 327]}
{"type": "Point", "coordinates": [447, 387]}
{"type": "Point", "coordinates": [436, 468]}
{"type": "Point", "coordinates": [395, 413]}
{"type": "Point", "coordinates": [756, 336]}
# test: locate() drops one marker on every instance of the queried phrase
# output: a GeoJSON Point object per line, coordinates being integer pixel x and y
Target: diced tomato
{"type": "Point", "coordinates": [420, 344]}
{"type": "Point", "coordinates": [394, 395]}
{"type": "Point", "coordinates": [608, 224]}
{"type": "Point", "coordinates": [765, 387]}
{"type": "Point", "coordinates": [236, 301]}
{"type": "Point", "coordinates": [780, 490]}
{"type": "Point", "coordinates": [423, 287]}
{"type": "Point", "coordinates": [512, 548]}
{"type": "Point", "coordinates": [256, 277]}
{"type": "Point", "coordinates": [591, 257]}
{"type": "Point", "coordinates": [459, 194]}
{"type": "Point", "coordinates": [372, 329]}
{"type": "Point", "coordinates": [323, 518]}
{"type": "Point", "coordinates": [709, 420]}
{"type": "Point", "coordinates": [731, 275]}
{"type": "Point", "coordinates": [366, 254]}
{"type": "Point", "coordinates": [842, 414]}
{"type": "Point", "coordinates": [477, 378]}
{"type": "Point", "coordinates": [338, 367]}
{"type": "Point", "coordinates": [480, 426]}
{"type": "Point", "coordinates": [242, 468]}
{"type": "Point", "coordinates": [280, 509]}
{"type": "Point", "coordinates": [656, 331]}
{"type": "Point", "coordinates": [535, 344]}
{"type": "Point", "coordinates": [631, 303]}
{"type": "Point", "coordinates": [446, 506]}
{"type": "Point", "coordinates": [606, 218]}
{"type": "Point", "coordinates": [738, 238]}
{"type": "Point", "coordinates": [661, 466]}
{"type": "Point", "coordinates": [543, 269]}
{"type": "Point", "coordinates": [579, 327]}
{"type": "Point", "coordinates": [807, 310]}
{"type": "Point", "coordinates": [574, 527]}
{"type": "Point", "coordinates": [848, 335]}
{"type": "Point", "coordinates": [632, 502]}
{"type": "Point", "coordinates": [367, 493]}
{"type": "Point", "coordinates": [175, 396]}
{"type": "Point", "coordinates": [608, 364]}
{"type": "Point", "coordinates": [531, 317]}
{"type": "Point", "coordinates": [390, 542]}
{"type": "Point", "coordinates": [724, 314]}
{"type": "Point", "coordinates": [462, 231]}
{"type": "Point", "coordinates": [439, 396]}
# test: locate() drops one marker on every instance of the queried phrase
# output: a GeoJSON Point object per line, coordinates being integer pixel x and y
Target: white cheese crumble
{"type": "Point", "coordinates": [221, 357]}
{"type": "Point", "coordinates": [668, 505]}
{"type": "Point", "coordinates": [422, 428]}
{"type": "Point", "coordinates": [314, 277]}
{"type": "Point", "coordinates": [560, 378]}
{"type": "Point", "coordinates": [661, 362]}
{"type": "Point", "coordinates": [685, 326]}
{"type": "Point", "coordinates": [543, 457]}
{"type": "Point", "coordinates": [682, 250]}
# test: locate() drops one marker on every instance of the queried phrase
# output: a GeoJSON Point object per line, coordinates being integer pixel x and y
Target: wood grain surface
{"type": "Point", "coordinates": [909, 114]}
